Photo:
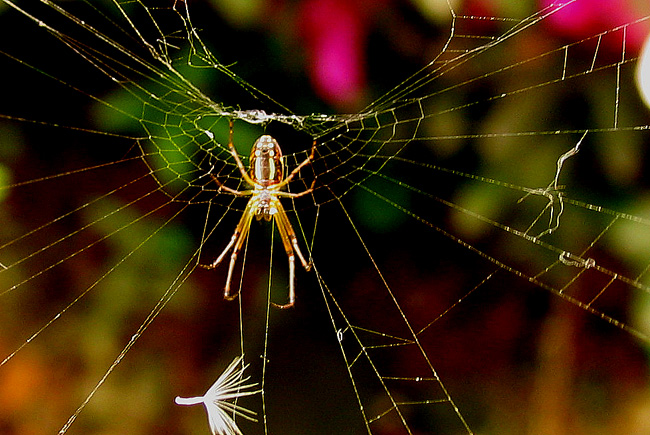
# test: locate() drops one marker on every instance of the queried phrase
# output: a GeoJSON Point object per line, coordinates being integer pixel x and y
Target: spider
{"type": "Point", "coordinates": [266, 177]}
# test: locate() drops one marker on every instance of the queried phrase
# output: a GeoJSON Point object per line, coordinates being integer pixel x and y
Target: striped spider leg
{"type": "Point", "coordinates": [266, 177]}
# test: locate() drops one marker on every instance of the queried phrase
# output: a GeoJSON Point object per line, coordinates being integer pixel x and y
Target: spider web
{"type": "Point", "coordinates": [479, 233]}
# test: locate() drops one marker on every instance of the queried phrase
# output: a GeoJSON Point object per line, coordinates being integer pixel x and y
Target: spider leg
{"type": "Point", "coordinates": [240, 166]}
{"type": "Point", "coordinates": [237, 240]}
{"type": "Point", "coordinates": [297, 169]}
{"type": "Point", "coordinates": [233, 151]}
{"type": "Point", "coordinates": [228, 189]}
{"type": "Point", "coordinates": [233, 258]}
{"type": "Point", "coordinates": [290, 243]}
{"type": "Point", "coordinates": [299, 194]}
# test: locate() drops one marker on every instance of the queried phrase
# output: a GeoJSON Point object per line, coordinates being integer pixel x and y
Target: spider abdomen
{"type": "Point", "coordinates": [266, 166]}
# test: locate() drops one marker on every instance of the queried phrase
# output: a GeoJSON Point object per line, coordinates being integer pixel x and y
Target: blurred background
{"type": "Point", "coordinates": [515, 357]}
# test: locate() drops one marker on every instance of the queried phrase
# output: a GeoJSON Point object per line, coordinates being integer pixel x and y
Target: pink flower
{"type": "Point", "coordinates": [585, 18]}
{"type": "Point", "coordinates": [335, 34]}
